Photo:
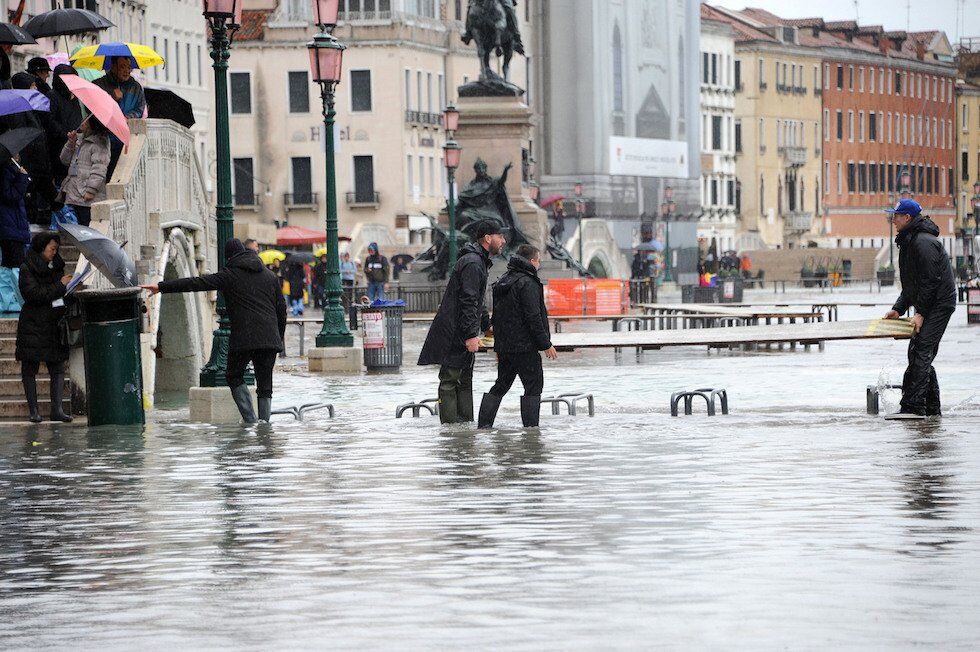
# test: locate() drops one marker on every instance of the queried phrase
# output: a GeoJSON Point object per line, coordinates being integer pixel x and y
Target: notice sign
{"type": "Point", "coordinates": [374, 329]}
{"type": "Point", "coordinates": [647, 157]}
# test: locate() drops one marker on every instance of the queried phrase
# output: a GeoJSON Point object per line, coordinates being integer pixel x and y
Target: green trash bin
{"type": "Point", "coordinates": [111, 325]}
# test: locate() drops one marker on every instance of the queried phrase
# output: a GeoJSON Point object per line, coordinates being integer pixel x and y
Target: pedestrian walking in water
{"type": "Point", "coordinates": [520, 332]}
{"type": "Point", "coordinates": [376, 271]}
{"type": "Point", "coordinates": [43, 284]}
{"type": "Point", "coordinates": [296, 275]}
{"type": "Point", "coordinates": [257, 310]}
{"type": "Point", "coordinates": [927, 286]}
{"type": "Point", "coordinates": [454, 337]}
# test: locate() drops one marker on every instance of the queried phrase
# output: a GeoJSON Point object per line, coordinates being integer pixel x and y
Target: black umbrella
{"type": "Point", "coordinates": [304, 257]}
{"type": "Point", "coordinates": [63, 22]}
{"type": "Point", "coordinates": [105, 254]}
{"type": "Point", "coordinates": [11, 34]}
{"type": "Point", "coordinates": [15, 140]}
{"type": "Point", "coordinates": [167, 105]}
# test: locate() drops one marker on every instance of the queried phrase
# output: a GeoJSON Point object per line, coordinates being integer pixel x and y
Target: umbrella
{"type": "Point", "coordinates": [22, 100]}
{"type": "Point", "coordinates": [105, 254]}
{"type": "Point", "coordinates": [305, 257]}
{"type": "Point", "coordinates": [402, 259]}
{"type": "Point", "coordinates": [62, 22]}
{"type": "Point", "coordinates": [297, 236]}
{"type": "Point", "coordinates": [101, 104]}
{"type": "Point", "coordinates": [100, 56]}
{"type": "Point", "coordinates": [545, 203]}
{"type": "Point", "coordinates": [270, 255]}
{"type": "Point", "coordinates": [11, 34]}
{"type": "Point", "coordinates": [167, 105]}
{"type": "Point", "coordinates": [13, 141]}
{"type": "Point", "coordinates": [652, 245]}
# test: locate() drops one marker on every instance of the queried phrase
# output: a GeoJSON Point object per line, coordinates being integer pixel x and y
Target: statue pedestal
{"type": "Point", "coordinates": [498, 129]}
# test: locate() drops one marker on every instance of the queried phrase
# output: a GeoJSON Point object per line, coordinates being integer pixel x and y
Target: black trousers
{"type": "Point", "coordinates": [920, 387]}
{"type": "Point", "coordinates": [12, 253]}
{"type": "Point", "coordinates": [29, 368]}
{"type": "Point", "coordinates": [526, 365]}
{"type": "Point", "coordinates": [263, 360]}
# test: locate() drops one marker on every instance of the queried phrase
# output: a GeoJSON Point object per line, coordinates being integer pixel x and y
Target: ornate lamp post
{"type": "Point", "coordinates": [451, 154]}
{"type": "Point", "coordinates": [224, 17]}
{"type": "Point", "coordinates": [666, 209]}
{"type": "Point", "coordinates": [326, 67]}
{"type": "Point", "coordinates": [579, 213]}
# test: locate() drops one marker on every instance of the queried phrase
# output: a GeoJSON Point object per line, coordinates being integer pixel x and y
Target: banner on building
{"type": "Point", "coordinates": [647, 157]}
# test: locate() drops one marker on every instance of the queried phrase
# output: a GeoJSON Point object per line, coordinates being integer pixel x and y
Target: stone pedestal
{"type": "Point", "coordinates": [336, 360]}
{"type": "Point", "coordinates": [498, 129]}
{"type": "Point", "coordinates": [215, 405]}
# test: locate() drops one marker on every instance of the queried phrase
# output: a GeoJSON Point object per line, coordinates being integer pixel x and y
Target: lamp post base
{"type": "Point", "coordinates": [336, 360]}
{"type": "Point", "coordinates": [215, 405]}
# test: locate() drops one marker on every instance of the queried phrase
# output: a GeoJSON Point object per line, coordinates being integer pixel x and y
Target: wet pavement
{"type": "Point", "coordinates": [797, 521]}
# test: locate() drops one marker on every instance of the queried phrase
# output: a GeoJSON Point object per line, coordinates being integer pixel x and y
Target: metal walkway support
{"type": "Point", "coordinates": [708, 394]}
{"type": "Point", "coordinates": [430, 404]}
{"type": "Point", "coordinates": [571, 402]}
{"type": "Point", "coordinates": [873, 395]}
{"type": "Point", "coordinates": [299, 413]}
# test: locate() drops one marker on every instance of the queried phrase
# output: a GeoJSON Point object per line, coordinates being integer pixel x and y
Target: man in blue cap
{"type": "Point", "coordinates": [927, 286]}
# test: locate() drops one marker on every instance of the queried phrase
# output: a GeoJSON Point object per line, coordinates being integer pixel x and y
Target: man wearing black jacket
{"type": "Point", "coordinates": [520, 331]}
{"type": "Point", "coordinates": [927, 286]}
{"type": "Point", "coordinates": [257, 310]}
{"type": "Point", "coordinates": [454, 337]}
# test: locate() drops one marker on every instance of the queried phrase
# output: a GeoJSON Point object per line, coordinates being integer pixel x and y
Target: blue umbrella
{"type": "Point", "coordinates": [20, 101]}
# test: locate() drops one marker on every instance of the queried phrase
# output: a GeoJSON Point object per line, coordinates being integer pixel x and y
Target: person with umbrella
{"type": "Point", "coordinates": [65, 117]}
{"type": "Point", "coordinates": [43, 283]}
{"type": "Point", "coordinates": [15, 233]}
{"type": "Point", "coordinates": [87, 156]}
{"type": "Point", "coordinates": [41, 70]}
{"type": "Point", "coordinates": [296, 275]}
{"type": "Point", "coordinates": [34, 156]}
{"type": "Point", "coordinates": [119, 83]}
{"type": "Point", "coordinates": [257, 311]}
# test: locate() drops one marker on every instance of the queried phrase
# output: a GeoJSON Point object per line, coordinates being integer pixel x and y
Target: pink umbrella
{"type": "Point", "coordinates": [545, 203]}
{"type": "Point", "coordinates": [100, 104]}
{"type": "Point", "coordinates": [55, 59]}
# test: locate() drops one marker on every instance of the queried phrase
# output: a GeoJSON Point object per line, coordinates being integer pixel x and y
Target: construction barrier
{"type": "Point", "coordinates": [592, 296]}
{"type": "Point", "coordinates": [973, 306]}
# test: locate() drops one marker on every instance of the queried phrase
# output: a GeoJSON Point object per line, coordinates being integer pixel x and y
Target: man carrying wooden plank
{"type": "Point", "coordinates": [927, 286]}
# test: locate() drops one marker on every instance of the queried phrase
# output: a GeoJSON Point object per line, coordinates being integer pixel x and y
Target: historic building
{"type": "Point", "coordinates": [967, 129]}
{"type": "Point", "coordinates": [403, 64]}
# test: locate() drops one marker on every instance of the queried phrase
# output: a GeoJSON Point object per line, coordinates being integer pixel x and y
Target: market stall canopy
{"type": "Point", "coordinates": [294, 236]}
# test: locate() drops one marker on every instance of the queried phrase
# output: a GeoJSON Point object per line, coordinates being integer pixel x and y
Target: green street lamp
{"type": "Point", "coordinates": [326, 68]}
{"type": "Point", "coordinates": [224, 17]}
{"type": "Point", "coordinates": [451, 154]}
{"type": "Point", "coordinates": [666, 210]}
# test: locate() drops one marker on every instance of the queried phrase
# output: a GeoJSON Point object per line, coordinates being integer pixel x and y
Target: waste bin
{"type": "Point", "coordinates": [381, 323]}
{"type": "Point", "coordinates": [732, 289]}
{"type": "Point", "coordinates": [698, 294]}
{"type": "Point", "coordinates": [111, 326]}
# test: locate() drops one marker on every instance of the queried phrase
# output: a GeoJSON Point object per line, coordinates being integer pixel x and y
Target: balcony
{"type": "Point", "coordinates": [818, 91]}
{"type": "Point", "coordinates": [783, 88]}
{"type": "Point", "coordinates": [246, 202]}
{"type": "Point", "coordinates": [794, 156]}
{"type": "Point", "coordinates": [797, 221]}
{"type": "Point", "coordinates": [300, 200]}
{"type": "Point", "coordinates": [739, 87]}
{"type": "Point", "coordinates": [763, 86]}
{"type": "Point", "coordinates": [799, 90]}
{"type": "Point", "coordinates": [423, 118]}
{"type": "Point", "coordinates": [362, 199]}
{"type": "Point", "coordinates": [364, 16]}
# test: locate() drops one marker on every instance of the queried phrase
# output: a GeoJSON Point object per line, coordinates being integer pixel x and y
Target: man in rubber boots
{"type": "Point", "coordinates": [454, 337]}
{"type": "Point", "coordinates": [927, 286]}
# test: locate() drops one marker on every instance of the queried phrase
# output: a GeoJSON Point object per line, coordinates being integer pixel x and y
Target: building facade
{"type": "Point", "coordinates": [967, 129]}
{"type": "Point", "coordinates": [403, 64]}
{"type": "Point", "coordinates": [718, 219]}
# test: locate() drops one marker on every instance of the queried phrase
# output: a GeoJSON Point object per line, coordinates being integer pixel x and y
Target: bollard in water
{"type": "Point", "coordinates": [873, 396]}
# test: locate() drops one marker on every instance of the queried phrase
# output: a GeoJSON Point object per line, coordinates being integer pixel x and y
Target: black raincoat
{"type": "Point", "coordinates": [520, 317]}
{"type": "Point", "coordinates": [927, 278]}
{"type": "Point", "coordinates": [38, 337]}
{"type": "Point", "coordinates": [462, 314]}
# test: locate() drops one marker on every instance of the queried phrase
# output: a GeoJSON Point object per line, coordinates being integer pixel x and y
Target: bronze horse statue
{"type": "Point", "coordinates": [492, 24]}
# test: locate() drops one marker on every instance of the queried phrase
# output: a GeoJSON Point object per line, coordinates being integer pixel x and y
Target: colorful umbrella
{"type": "Point", "coordinates": [101, 104]}
{"type": "Point", "coordinates": [545, 203]}
{"type": "Point", "coordinates": [21, 101]}
{"type": "Point", "coordinates": [63, 22]}
{"type": "Point", "coordinates": [100, 56]}
{"type": "Point", "coordinates": [270, 255]}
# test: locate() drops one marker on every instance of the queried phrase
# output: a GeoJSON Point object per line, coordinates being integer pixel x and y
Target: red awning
{"type": "Point", "coordinates": [292, 236]}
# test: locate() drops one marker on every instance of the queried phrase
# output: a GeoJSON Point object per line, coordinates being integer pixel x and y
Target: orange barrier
{"type": "Point", "coordinates": [572, 297]}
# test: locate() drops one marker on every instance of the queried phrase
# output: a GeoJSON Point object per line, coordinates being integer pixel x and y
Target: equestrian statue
{"type": "Point", "coordinates": [493, 26]}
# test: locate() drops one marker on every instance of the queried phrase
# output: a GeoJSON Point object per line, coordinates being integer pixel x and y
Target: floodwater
{"type": "Point", "coordinates": [797, 521]}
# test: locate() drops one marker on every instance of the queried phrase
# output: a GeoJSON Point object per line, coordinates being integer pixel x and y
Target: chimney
{"type": "Point", "coordinates": [920, 51]}
{"type": "Point", "coordinates": [884, 45]}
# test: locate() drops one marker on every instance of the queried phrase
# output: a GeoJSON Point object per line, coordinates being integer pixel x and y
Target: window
{"type": "Point", "coordinates": [418, 90]}
{"type": "Point", "coordinates": [166, 57]}
{"type": "Point", "coordinates": [421, 174]}
{"type": "Point", "coordinates": [851, 177]}
{"type": "Point", "coordinates": [410, 170]}
{"type": "Point", "coordinates": [762, 74]}
{"type": "Point", "coordinates": [816, 77]}
{"type": "Point", "coordinates": [889, 132]}
{"type": "Point", "coordinates": [861, 79]}
{"type": "Point", "coordinates": [714, 192]}
{"type": "Point", "coordinates": [873, 176]}
{"type": "Point", "coordinates": [156, 69]}
{"type": "Point", "coordinates": [187, 51]}
{"type": "Point", "coordinates": [299, 92]}
{"type": "Point", "coordinates": [738, 135]}
{"type": "Point", "coordinates": [840, 77]}
{"type": "Point", "coordinates": [200, 78]}
{"type": "Point", "coordinates": [840, 125]}
{"type": "Point", "coordinates": [302, 177]}
{"type": "Point", "coordinates": [881, 81]}
{"type": "Point", "coordinates": [826, 127]}
{"type": "Point", "coordinates": [716, 132]}
{"type": "Point", "coordinates": [177, 60]}
{"type": "Point", "coordinates": [428, 91]}
{"type": "Point", "coordinates": [826, 176]}
{"type": "Point", "coordinates": [243, 182]}
{"type": "Point", "coordinates": [964, 116]}
{"type": "Point", "coordinates": [898, 82]}
{"type": "Point", "coordinates": [240, 85]}
{"type": "Point", "coordinates": [442, 92]}
{"type": "Point", "coordinates": [872, 127]}
{"type": "Point", "coordinates": [408, 90]}
{"type": "Point", "coordinates": [891, 177]}
{"type": "Point", "coordinates": [714, 69]}
{"type": "Point", "coordinates": [762, 134]}
{"type": "Point", "coordinates": [826, 76]}
{"type": "Point", "coordinates": [929, 169]}
{"type": "Point", "coordinates": [850, 78]}
{"type": "Point", "coordinates": [738, 74]}
{"type": "Point", "coordinates": [965, 165]}
{"type": "Point", "coordinates": [860, 126]}
{"type": "Point", "coordinates": [360, 90]}
{"type": "Point", "coordinates": [862, 178]}
{"type": "Point", "coordinates": [364, 179]}
{"type": "Point", "coordinates": [850, 126]}
{"type": "Point", "coordinates": [840, 178]}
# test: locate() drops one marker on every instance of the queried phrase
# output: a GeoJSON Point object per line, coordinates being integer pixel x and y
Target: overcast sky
{"type": "Point", "coordinates": [922, 14]}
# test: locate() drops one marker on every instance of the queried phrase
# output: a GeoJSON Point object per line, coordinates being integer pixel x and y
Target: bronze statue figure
{"type": "Point", "coordinates": [494, 27]}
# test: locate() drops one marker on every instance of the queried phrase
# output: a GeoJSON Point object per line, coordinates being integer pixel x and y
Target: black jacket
{"type": "Point", "coordinates": [65, 116]}
{"type": "Point", "coordinates": [520, 317]}
{"type": "Point", "coordinates": [38, 338]}
{"type": "Point", "coordinates": [253, 297]}
{"type": "Point", "coordinates": [376, 269]}
{"type": "Point", "coordinates": [462, 313]}
{"type": "Point", "coordinates": [296, 275]}
{"type": "Point", "coordinates": [927, 277]}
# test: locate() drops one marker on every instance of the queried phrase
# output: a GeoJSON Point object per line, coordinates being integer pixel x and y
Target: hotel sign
{"type": "Point", "coordinates": [647, 157]}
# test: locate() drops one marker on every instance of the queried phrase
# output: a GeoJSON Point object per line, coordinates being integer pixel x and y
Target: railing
{"type": "Point", "coordinates": [783, 88]}
{"type": "Point", "coordinates": [301, 199]}
{"type": "Point", "coordinates": [797, 221]}
{"type": "Point", "coordinates": [363, 16]}
{"type": "Point", "coordinates": [793, 155]}
{"type": "Point", "coordinates": [423, 117]}
{"type": "Point", "coordinates": [643, 290]}
{"type": "Point", "coordinates": [246, 201]}
{"type": "Point", "coordinates": [763, 86]}
{"type": "Point", "coordinates": [799, 90]}
{"type": "Point", "coordinates": [356, 198]}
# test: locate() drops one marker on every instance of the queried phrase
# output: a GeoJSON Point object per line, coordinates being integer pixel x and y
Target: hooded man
{"type": "Point", "coordinates": [520, 331]}
{"type": "Point", "coordinates": [257, 310]}
{"type": "Point", "coordinates": [454, 337]}
{"type": "Point", "coordinates": [376, 270]}
{"type": "Point", "coordinates": [927, 286]}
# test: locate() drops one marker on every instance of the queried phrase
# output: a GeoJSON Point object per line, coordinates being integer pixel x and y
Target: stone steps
{"type": "Point", "coordinates": [16, 409]}
{"type": "Point", "coordinates": [11, 388]}
{"type": "Point", "coordinates": [8, 346]}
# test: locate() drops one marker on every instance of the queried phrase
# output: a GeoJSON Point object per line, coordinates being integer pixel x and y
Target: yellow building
{"type": "Point", "coordinates": [968, 145]}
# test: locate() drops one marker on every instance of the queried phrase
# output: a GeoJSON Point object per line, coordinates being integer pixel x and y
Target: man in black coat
{"type": "Point", "coordinates": [454, 336]}
{"type": "Point", "coordinates": [257, 310]}
{"type": "Point", "coordinates": [927, 286]}
{"type": "Point", "coordinates": [520, 331]}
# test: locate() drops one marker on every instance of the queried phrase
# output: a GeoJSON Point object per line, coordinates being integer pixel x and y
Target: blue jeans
{"type": "Point", "coordinates": [376, 291]}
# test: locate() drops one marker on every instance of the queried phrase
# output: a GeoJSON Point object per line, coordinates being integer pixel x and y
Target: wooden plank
{"type": "Point", "coordinates": [804, 333]}
{"type": "Point", "coordinates": [725, 309]}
